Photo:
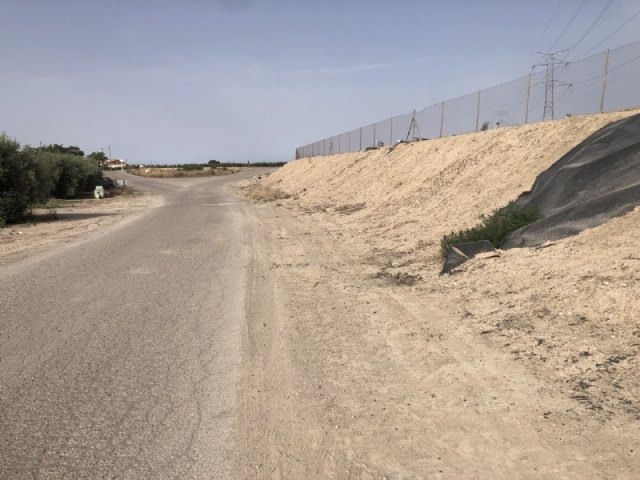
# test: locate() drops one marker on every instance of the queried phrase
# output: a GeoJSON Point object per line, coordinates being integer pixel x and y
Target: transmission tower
{"type": "Point", "coordinates": [413, 127]}
{"type": "Point", "coordinates": [550, 83]}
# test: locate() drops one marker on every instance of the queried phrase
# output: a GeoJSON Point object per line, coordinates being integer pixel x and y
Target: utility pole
{"type": "Point", "coordinates": [550, 63]}
{"type": "Point", "coordinates": [109, 147]}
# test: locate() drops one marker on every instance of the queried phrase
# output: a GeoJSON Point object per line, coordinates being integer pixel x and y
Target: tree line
{"type": "Point", "coordinates": [29, 176]}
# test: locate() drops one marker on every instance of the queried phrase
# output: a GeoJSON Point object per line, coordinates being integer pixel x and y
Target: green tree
{"type": "Point", "coordinates": [57, 148]}
{"type": "Point", "coordinates": [99, 157]}
{"type": "Point", "coordinates": [29, 176]}
{"type": "Point", "coordinates": [76, 175]}
{"type": "Point", "coordinates": [17, 182]}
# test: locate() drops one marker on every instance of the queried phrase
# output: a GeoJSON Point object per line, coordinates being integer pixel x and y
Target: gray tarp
{"type": "Point", "coordinates": [597, 180]}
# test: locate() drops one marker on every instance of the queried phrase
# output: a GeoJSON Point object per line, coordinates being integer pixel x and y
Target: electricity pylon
{"type": "Point", "coordinates": [550, 63]}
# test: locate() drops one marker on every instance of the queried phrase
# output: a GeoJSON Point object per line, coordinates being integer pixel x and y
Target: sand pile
{"type": "Point", "coordinates": [406, 198]}
{"type": "Point", "coordinates": [569, 310]}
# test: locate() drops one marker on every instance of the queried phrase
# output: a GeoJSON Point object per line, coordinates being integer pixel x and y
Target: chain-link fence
{"type": "Point", "coordinates": [604, 82]}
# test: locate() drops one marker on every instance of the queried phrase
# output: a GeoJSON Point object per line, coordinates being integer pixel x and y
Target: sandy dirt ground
{"type": "Point", "coordinates": [371, 365]}
{"type": "Point", "coordinates": [76, 220]}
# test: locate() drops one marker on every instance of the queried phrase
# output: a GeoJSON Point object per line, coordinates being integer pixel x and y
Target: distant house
{"type": "Point", "coordinates": [114, 164]}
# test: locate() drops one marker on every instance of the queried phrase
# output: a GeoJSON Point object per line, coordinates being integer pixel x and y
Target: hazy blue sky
{"type": "Point", "coordinates": [235, 80]}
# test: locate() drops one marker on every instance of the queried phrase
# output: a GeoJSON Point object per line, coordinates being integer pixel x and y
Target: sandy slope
{"type": "Point", "coordinates": [420, 191]}
{"type": "Point", "coordinates": [518, 366]}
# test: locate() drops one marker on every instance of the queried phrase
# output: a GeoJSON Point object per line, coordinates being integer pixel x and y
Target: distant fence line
{"type": "Point", "coordinates": [604, 82]}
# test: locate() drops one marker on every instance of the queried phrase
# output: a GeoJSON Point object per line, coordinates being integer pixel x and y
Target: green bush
{"type": "Point", "coordinates": [30, 176]}
{"type": "Point", "coordinates": [495, 227]}
{"type": "Point", "coordinates": [75, 175]}
{"type": "Point", "coordinates": [192, 167]}
{"type": "Point", "coordinates": [17, 182]}
{"type": "Point", "coordinates": [45, 168]}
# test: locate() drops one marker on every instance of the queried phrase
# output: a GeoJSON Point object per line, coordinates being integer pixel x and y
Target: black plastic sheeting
{"type": "Point", "coordinates": [596, 181]}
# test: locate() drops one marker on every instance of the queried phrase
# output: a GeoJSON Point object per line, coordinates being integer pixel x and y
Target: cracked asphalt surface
{"type": "Point", "coordinates": [120, 355]}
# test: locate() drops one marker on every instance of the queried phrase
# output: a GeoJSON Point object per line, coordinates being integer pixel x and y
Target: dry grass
{"type": "Point", "coordinates": [164, 172]}
{"type": "Point", "coordinates": [262, 193]}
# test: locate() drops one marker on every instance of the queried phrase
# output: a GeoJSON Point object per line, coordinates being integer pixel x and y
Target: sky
{"type": "Point", "coordinates": [170, 82]}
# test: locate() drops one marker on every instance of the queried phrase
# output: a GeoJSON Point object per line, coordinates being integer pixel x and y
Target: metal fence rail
{"type": "Point", "coordinates": [604, 82]}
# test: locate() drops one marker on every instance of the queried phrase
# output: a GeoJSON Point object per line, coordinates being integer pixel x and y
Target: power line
{"type": "Point", "coordinates": [629, 20]}
{"type": "Point", "coordinates": [591, 27]}
{"type": "Point", "coordinates": [610, 70]}
{"type": "Point", "coordinates": [568, 25]}
{"type": "Point", "coordinates": [546, 28]}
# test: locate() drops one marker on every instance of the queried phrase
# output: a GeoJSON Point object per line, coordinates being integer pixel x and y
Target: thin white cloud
{"type": "Point", "coordinates": [350, 69]}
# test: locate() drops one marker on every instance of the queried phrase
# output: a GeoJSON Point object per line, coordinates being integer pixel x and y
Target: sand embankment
{"type": "Point", "coordinates": [523, 365]}
{"type": "Point", "coordinates": [415, 193]}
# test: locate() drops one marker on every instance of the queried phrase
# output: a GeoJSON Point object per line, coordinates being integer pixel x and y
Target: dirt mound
{"type": "Point", "coordinates": [595, 181]}
{"type": "Point", "coordinates": [418, 192]}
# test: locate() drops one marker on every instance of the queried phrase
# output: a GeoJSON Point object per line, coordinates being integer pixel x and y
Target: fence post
{"type": "Point", "coordinates": [605, 74]}
{"type": "Point", "coordinates": [526, 108]}
{"type": "Point", "coordinates": [478, 113]}
{"type": "Point", "coordinates": [442, 120]}
{"type": "Point", "coordinates": [374, 134]}
{"type": "Point", "coordinates": [339, 146]}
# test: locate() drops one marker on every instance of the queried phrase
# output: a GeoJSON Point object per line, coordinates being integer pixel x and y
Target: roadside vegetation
{"type": "Point", "coordinates": [211, 168]}
{"type": "Point", "coordinates": [495, 227]}
{"type": "Point", "coordinates": [180, 171]}
{"type": "Point", "coordinates": [262, 193]}
{"type": "Point", "coordinates": [30, 177]}
{"type": "Point", "coordinates": [216, 163]}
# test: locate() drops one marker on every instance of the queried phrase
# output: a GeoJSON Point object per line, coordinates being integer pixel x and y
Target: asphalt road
{"type": "Point", "coordinates": [120, 356]}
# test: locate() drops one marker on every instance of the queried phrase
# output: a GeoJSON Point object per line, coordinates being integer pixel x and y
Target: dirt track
{"type": "Point", "coordinates": [351, 376]}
